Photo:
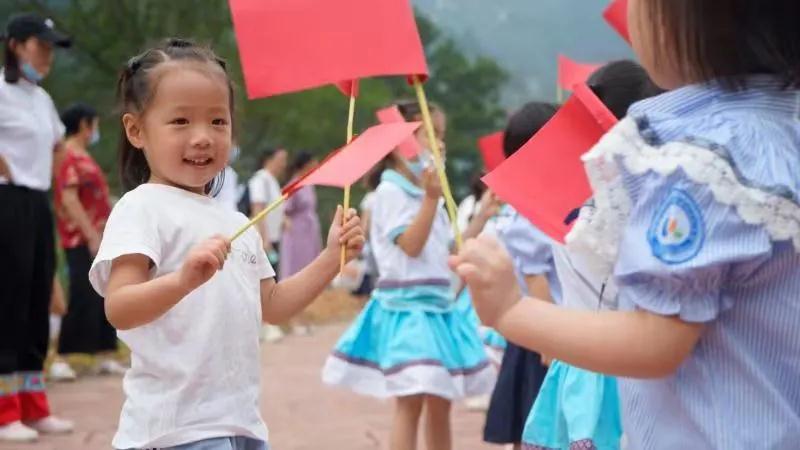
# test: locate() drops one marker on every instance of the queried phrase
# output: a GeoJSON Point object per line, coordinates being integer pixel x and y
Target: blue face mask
{"type": "Point", "coordinates": [30, 73]}
{"type": "Point", "coordinates": [416, 167]}
{"type": "Point", "coordinates": [95, 136]}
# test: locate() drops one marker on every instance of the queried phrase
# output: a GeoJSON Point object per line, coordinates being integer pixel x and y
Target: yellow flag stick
{"type": "Point", "coordinates": [437, 159]}
{"type": "Point", "coordinates": [260, 216]}
{"type": "Point", "coordinates": [350, 119]}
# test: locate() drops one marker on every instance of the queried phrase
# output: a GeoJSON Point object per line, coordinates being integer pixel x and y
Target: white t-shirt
{"type": "Point", "coordinates": [195, 370]}
{"type": "Point", "coordinates": [264, 188]}
{"type": "Point", "coordinates": [29, 130]}
{"type": "Point", "coordinates": [581, 286]}
{"type": "Point", "coordinates": [397, 203]}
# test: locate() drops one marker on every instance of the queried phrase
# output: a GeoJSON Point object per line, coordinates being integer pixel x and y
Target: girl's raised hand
{"type": "Point", "coordinates": [203, 261]}
{"type": "Point", "coordinates": [431, 183]}
{"type": "Point", "coordinates": [486, 267]}
{"type": "Point", "coordinates": [350, 234]}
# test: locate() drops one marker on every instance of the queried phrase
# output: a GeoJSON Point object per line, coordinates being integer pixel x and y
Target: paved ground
{"type": "Point", "coordinates": [302, 414]}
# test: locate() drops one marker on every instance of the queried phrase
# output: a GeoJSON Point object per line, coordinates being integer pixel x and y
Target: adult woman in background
{"type": "Point", "coordinates": [30, 133]}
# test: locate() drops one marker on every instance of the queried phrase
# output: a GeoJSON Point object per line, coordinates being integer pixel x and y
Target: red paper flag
{"type": "Point", "coordinates": [491, 147]}
{"type": "Point", "coordinates": [409, 148]}
{"type": "Point", "coordinates": [617, 16]}
{"type": "Point", "coordinates": [545, 180]}
{"type": "Point", "coordinates": [571, 72]}
{"type": "Point", "coordinates": [349, 88]}
{"type": "Point", "coordinates": [346, 165]}
{"type": "Point", "coordinates": [292, 45]}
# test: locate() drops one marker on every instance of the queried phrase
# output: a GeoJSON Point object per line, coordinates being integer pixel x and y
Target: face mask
{"type": "Point", "coordinates": [95, 136]}
{"type": "Point", "coordinates": [30, 73]}
{"type": "Point", "coordinates": [416, 167]}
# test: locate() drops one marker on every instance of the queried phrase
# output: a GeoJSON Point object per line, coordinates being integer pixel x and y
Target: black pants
{"type": "Point", "coordinates": [27, 265]}
{"type": "Point", "coordinates": [84, 328]}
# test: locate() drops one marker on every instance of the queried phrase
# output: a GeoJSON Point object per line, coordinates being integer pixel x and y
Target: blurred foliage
{"type": "Point", "coordinates": [107, 33]}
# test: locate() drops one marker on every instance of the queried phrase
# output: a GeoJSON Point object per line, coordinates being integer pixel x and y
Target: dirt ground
{"type": "Point", "coordinates": [301, 412]}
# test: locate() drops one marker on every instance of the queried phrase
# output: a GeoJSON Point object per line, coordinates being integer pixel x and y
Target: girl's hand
{"type": "Point", "coordinates": [486, 267]}
{"type": "Point", "coordinates": [203, 261]}
{"type": "Point", "coordinates": [431, 183]}
{"type": "Point", "coordinates": [350, 234]}
{"type": "Point", "coordinates": [490, 205]}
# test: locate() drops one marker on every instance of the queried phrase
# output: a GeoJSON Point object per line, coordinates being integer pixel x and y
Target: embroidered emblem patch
{"type": "Point", "coordinates": [677, 232]}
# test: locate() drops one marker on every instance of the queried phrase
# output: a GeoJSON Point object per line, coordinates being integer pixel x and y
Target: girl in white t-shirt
{"type": "Point", "coordinates": [187, 301]}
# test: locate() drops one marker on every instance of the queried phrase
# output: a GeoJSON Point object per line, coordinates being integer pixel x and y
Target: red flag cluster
{"type": "Point", "coordinates": [544, 180]}
{"type": "Point", "coordinates": [293, 45]}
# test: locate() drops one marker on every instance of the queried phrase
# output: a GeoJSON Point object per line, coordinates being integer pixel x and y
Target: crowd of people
{"type": "Point", "coordinates": [667, 320]}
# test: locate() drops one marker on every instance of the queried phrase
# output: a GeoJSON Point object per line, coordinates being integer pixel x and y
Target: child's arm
{"type": "Point", "coordinates": [632, 344]}
{"type": "Point", "coordinates": [539, 288]}
{"type": "Point", "coordinates": [413, 239]}
{"type": "Point", "coordinates": [489, 206]}
{"type": "Point", "coordinates": [281, 301]}
{"type": "Point", "coordinates": [133, 299]}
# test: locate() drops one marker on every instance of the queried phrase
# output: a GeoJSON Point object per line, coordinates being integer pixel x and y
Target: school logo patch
{"type": "Point", "coordinates": [677, 232]}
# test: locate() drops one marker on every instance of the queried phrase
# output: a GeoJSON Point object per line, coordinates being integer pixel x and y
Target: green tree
{"type": "Point", "coordinates": [107, 33]}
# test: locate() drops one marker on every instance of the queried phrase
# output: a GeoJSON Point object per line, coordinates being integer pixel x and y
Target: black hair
{"type": "Point", "coordinates": [411, 111]}
{"type": "Point", "coordinates": [524, 123]}
{"type": "Point", "coordinates": [300, 160]}
{"type": "Point", "coordinates": [11, 69]}
{"type": "Point", "coordinates": [476, 185]}
{"type": "Point", "coordinates": [75, 114]}
{"type": "Point", "coordinates": [135, 90]}
{"type": "Point", "coordinates": [373, 177]}
{"type": "Point", "coordinates": [620, 84]}
{"type": "Point", "coordinates": [267, 154]}
{"type": "Point", "coordinates": [726, 40]}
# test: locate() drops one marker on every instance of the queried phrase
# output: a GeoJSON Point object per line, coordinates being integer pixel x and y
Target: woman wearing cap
{"type": "Point", "coordinates": [30, 133]}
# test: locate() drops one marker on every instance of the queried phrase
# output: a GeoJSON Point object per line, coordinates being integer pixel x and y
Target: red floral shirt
{"type": "Point", "coordinates": [80, 171]}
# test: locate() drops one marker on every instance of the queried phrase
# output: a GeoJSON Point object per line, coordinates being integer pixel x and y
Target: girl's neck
{"type": "Point", "coordinates": [401, 168]}
{"type": "Point", "coordinates": [155, 179]}
{"type": "Point", "coordinates": [76, 144]}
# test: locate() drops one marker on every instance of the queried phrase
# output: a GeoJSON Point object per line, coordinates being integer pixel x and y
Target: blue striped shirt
{"type": "Point", "coordinates": [684, 253]}
{"type": "Point", "coordinates": [530, 249]}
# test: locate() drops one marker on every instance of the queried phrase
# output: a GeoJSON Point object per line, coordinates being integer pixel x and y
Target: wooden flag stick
{"type": "Point", "coordinates": [346, 203]}
{"type": "Point", "coordinates": [437, 159]}
{"type": "Point", "coordinates": [260, 216]}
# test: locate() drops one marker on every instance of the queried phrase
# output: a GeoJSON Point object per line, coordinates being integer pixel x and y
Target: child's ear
{"type": "Point", "coordinates": [133, 129]}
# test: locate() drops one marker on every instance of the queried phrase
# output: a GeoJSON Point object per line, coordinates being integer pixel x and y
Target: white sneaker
{"type": "Point", "coordinates": [61, 371]}
{"type": "Point", "coordinates": [271, 333]}
{"type": "Point", "coordinates": [111, 367]}
{"type": "Point", "coordinates": [17, 432]}
{"type": "Point", "coordinates": [52, 425]}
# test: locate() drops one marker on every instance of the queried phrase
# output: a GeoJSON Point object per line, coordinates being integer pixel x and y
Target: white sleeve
{"type": "Point", "coordinates": [258, 189]}
{"type": "Point", "coordinates": [131, 229]}
{"type": "Point", "coordinates": [265, 269]}
{"type": "Point", "coordinates": [58, 127]}
{"type": "Point", "coordinates": [465, 212]}
{"type": "Point", "coordinates": [393, 212]}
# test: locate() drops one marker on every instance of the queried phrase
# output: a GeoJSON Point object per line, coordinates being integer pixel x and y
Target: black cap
{"type": "Point", "coordinates": [23, 26]}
